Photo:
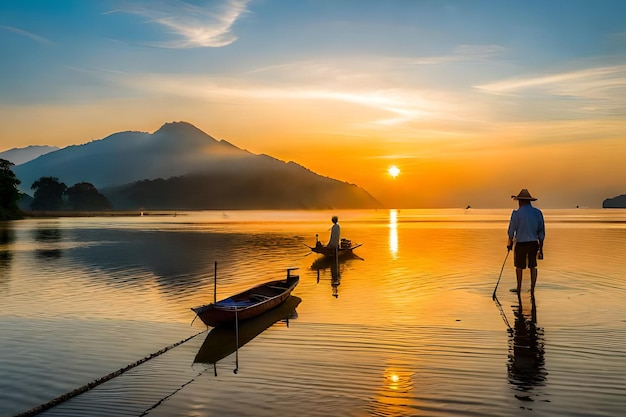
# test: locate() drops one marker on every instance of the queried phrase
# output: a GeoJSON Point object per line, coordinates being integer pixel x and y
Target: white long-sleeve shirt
{"type": "Point", "coordinates": [334, 236]}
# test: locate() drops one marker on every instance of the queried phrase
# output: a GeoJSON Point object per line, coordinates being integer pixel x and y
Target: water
{"type": "Point", "coordinates": [407, 328]}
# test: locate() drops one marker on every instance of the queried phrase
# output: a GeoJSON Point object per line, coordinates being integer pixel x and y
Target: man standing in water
{"type": "Point", "coordinates": [528, 229]}
{"type": "Point", "coordinates": [333, 242]}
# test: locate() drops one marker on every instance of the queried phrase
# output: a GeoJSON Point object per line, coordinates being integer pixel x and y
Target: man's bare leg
{"type": "Point", "coordinates": [518, 273]}
{"type": "Point", "coordinates": [533, 279]}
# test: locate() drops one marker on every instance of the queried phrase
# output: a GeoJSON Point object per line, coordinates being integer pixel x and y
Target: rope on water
{"type": "Point", "coordinates": [62, 398]}
{"type": "Point", "coordinates": [158, 403]}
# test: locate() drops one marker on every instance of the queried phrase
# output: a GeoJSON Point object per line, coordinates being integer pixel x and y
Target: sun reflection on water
{"type": "Point", "coordinates": [396, 396]}
{"type": "Point", "coordinates": [393, 233]}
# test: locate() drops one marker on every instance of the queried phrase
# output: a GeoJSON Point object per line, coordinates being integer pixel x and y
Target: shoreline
{"type": "Point", "coordinates": [108, 213]}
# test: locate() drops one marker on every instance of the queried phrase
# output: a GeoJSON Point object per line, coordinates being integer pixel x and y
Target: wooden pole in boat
{"type": "Point", "coordinates": [236, 343]}
{"type": "Point", "coordinates": [215, 283]}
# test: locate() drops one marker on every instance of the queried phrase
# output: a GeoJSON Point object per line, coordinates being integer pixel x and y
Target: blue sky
{"type": "Point", "coordinates": [455, 93]}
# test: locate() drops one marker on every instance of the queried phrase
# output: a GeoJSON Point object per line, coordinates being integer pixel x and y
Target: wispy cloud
{"type": "Point", "coordinates": [36, 38]}
{"type": "Point", "coordinates": [559, 82]}
{"type": "Point", "coordinates": [351, 64]}
{"type": "Point", "coordinates": [399, 106]}
{"type": "Point", "coordinates": [462, 53]}
{"type": "Point", "coordinates": [193, 26]}
{"type": "Point", "coordinates": [599, 90]}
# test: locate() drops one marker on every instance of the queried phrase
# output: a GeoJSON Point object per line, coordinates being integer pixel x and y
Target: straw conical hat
{"type": "Point", "coordinates": [523, 195]}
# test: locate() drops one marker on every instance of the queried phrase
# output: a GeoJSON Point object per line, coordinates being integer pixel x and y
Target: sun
{"type": "Point", "coordinates": [394, 171]}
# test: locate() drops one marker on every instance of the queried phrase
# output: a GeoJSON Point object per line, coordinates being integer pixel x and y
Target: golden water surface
{"type": "Point", "coordinates": [407, 327]}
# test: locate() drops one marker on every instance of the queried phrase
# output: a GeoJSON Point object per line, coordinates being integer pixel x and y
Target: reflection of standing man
{"type": "Point", "coordinates": [526, 351]}
{"type": "Point", "coordinates": [335, 278]}
{"type": "Point", "coordinates": [335, 232]}
{"type": "Point", "coordinates": [528, 229]}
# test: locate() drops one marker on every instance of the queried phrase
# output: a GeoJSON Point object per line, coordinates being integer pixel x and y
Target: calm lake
{"type": "Point", "coordinates": [406, 328]}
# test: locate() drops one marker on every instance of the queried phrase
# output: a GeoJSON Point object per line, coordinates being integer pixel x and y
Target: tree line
{"type": "Point", "coordinates": [49, 194]}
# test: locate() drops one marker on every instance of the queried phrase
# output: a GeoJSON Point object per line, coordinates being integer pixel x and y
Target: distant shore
{"type": "Point", "coordinates": [107, 213]}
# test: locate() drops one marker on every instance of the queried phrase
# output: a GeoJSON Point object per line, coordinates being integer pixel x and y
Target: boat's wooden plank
{"type": "Point", "coordinates": [261, 296]}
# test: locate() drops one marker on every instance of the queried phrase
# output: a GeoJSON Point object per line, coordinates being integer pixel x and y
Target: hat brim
{"type": "Point", "coordinates": [514, 197]}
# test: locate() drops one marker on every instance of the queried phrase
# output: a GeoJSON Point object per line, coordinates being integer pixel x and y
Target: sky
{"type": "Point", "coordinates": [471, 100]}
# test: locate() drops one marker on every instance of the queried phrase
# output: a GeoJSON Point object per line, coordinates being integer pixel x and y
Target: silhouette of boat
{"type": "Point", "coordinates": [249, 303]}
{"type": "Point", "coordinates": [345, 247]}
{"type": "Point", "coordinates": [226, 339]}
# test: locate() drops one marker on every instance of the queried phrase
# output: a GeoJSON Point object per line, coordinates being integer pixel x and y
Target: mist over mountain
{"type": "Point", "coordinates": [180, 167]}
{"type": "Point", "coordinates": [21, 155]}
{"type": "Point", "coordinates": [282, 186]}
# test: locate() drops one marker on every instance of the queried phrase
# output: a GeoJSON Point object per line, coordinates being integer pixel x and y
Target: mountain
{"type": "Point", "coordinates": [180, 167]}
{"type": "Point", "coordinates": [174, 149]}
{"type": "Point", "coordinates": [21, 155]}
{"type": "Point", "coordinates": [615, 202]}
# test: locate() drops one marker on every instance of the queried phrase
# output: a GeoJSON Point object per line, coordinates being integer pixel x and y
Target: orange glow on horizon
{"type": "Point", "coordinates": [454, 170]}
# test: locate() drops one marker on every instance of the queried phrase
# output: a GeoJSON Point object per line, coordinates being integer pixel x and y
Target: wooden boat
{"type": "Point", "coordinates": [249, 303]}
{"type": "Point", "coordinates": [345, 247]}
{"type": "Point", "coordinates": [226, 339]}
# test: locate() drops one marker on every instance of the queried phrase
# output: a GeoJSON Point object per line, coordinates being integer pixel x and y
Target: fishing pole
{"type": "Point", "coordinates": [493, 297]}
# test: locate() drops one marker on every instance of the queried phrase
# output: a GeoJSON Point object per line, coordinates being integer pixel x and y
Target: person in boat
{"type": "Point", "coordinates": [527, 228]}
{"type": "Point", "coordinates": [335, 232]}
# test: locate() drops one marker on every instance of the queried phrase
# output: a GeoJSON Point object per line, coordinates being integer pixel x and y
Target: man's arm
{"type": "Point", "coordinates": [511, 231]}
{"type": "Point", "coordinates": [541, 234]}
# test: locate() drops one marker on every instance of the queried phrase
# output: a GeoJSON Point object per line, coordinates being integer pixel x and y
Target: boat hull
{"type": "Point", "coordinates": [330, 252]}
{"type": "Point", "coordinates": [247, 304]}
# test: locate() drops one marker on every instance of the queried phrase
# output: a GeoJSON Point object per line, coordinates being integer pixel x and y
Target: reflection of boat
{"type": "Point", "coordinates": [325, 262]}
{"type": "Point", "coordinates": [345, 247]}
{"type": "Point", "coordinates": [249, 303]}
{"type": "Point", "coordinates": [335, 265]}
{"type": "Point", "coordinates": [222, 341]}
